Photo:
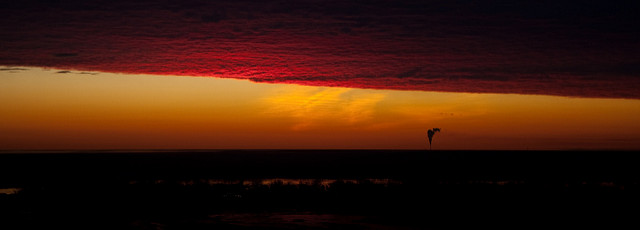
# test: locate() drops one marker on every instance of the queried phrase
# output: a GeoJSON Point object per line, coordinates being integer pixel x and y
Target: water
{"type": "Point", "coordinates": [312, 189]}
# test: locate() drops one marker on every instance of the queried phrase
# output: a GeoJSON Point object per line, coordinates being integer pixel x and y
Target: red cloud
{"type": "Point", "coordinates": [412, 45]}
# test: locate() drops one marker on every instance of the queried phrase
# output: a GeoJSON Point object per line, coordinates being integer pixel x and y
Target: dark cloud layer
{"type": "Point", "coordinates": [569, 48]}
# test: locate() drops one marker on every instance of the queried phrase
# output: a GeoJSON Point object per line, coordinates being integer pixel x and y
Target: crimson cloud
{"type": "Point", "coordinates": [567, 48]}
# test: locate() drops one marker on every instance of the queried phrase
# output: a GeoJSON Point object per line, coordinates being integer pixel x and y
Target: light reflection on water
{"type": "Point", "coordinates": [298, 220]}
{"type": "Point", "coordinates": [9, 191]}
{"type": "Point", "coordinates": [326, 183]}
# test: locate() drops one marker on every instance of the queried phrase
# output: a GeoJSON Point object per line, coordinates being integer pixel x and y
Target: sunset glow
{"type": "Point", "coordinates": [319, 74]}
{"type": "Point", "coordinates": [50, 109]}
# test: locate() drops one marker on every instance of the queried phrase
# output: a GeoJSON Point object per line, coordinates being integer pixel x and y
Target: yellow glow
{"type": "Point", "coordinates": [43, 109]}
{"type": "Point", "coordinates": [315, 107]}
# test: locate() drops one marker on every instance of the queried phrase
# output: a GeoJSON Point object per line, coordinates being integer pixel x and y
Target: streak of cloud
{"type": "Point", "coordinates": [12, 69]}
{"type": "Point", "coordinates": [308, 108]}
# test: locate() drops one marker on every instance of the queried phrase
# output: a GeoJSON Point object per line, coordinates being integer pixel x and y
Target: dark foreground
{"type": "Point", "coordinates": [316, 189]}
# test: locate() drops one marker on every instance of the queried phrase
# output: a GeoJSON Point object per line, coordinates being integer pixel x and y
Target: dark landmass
{"type": "Point", "coordinates": [317, 189]}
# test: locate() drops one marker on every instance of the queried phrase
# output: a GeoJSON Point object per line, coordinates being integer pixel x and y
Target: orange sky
{"type": "Point", "coordinates": [43, 109]}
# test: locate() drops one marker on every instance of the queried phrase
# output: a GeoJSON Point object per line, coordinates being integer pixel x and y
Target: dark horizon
{"type": "Point", "coordinates": [255, 161]}
{"type": "Point", "coordinates": [197, 150]}
{"type": "Point", "coordinates": [330, 189]}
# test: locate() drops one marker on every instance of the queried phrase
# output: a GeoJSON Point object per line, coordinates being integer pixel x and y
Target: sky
{"type": "Point", "coordinates": [319, 74]}
{"type": "Point", "coordinates": [57, 109]}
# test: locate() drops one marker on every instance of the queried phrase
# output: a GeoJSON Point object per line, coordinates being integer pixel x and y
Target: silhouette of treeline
{"type": "Point", "coordinates": [395, 189]}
